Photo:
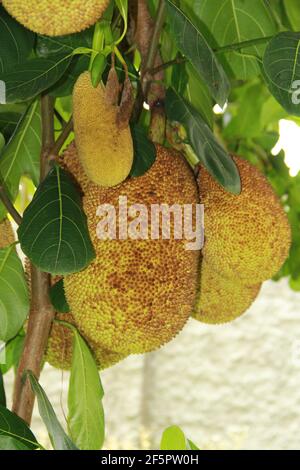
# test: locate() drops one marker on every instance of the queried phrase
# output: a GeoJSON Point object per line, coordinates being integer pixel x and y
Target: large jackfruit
{"type": "Point", "coordinates": [6, 234]}
{"type": "Point", "coordinates": [247, 236]}
{"type": "Point", "coordinates": [60, 347]}
{"type": "Point", "coordinates": [56, 17]}
{"type": "Point", "coordinates": [105, 149]}
{"type": "Point", "coordinates": [137, 294]}
{"type": "Point", "coordinates": [221, 299]}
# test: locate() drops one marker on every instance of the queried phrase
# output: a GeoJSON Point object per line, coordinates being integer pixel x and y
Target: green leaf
{"type": "Point", "coordinates": [17, 39]}
{"type": "Point", "coordinates": [197, 93]}
{"type": "Point", "coordinates": [209, 152]}
{"type": "Point", "coordinates": [59, 439]}
{"type": "Point", "coordinates": [54, 233]}
{"type": "Point", "coordinates": [21, 154]}
{"type": "Point", "coordinates": [10, 443]}
{"type": "Point", "coordinates": [194, 46]}
{"type": "Point", "coordinates": [86, 415]}
{"type": "Point", "coordinates": [292, 8]}
{"type": "Point", "coordinates": [8, 123]}
{"type": "Point", "coordinates": [235, 21]}
{"type": "Point", "coordinates": [13, 351]}
{"type": "Point", "coordinates": [173, 438]}
{"type": "Point", "coordinates": [14, 303]}
{"type": "Point", "coordinates": [2, 389]}
{"type": "Point", "coordinates": [11, 426]}
{"type": "Point", "coordinates": [33, 76]}
{"type": "Point", "coordinates": [281, 69]}
{"type": "Point", "coordinates": [123, 8]}
{"type": "Point", "coordinates": [191, 445]}
{"type": "Point", "coordinates": [144, 151]}
{"type": "Point", "coordinates": [58, 297]}
{"type": "Point", "coordinates": [2, 141]}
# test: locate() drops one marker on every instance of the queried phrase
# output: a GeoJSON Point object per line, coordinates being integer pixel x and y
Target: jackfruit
{"type": "Point", "coordinates": [221, 299]}
{"type": "Point", "coordinates": [56, 17]}
{"type": "Point", "coordinates": [104, 148]}
{"type": "Point", "coordinates": [247, 236]}
{"type": "Point", "coordinates": [137, 294]}
{"type": "Point", "coordinates": [60, 347]}
{"type": "Point", "coordinates": [70, 161]}
{"type": "Point", "coordinates": [7, 236]}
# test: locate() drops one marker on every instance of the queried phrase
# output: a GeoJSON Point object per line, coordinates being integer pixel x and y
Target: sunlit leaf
{"type": "Point", "coordinates": [86, 415]}
{"type": "Point", "coordinates": [15, 429]}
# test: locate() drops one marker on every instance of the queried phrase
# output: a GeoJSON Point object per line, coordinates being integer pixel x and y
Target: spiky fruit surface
{"type": "Point", "coordinates": [60, 347]}
{"type": "Point", "coordinates": [247, 237]}
{"type": "Point", "coordinates": [221, 299]}
{"type": "Point", "coordinates": [137, 294]}
{"type": "Point", "coordinates": [70, 161]}
{"type": "Point", "coordinates": [104, 149]}
{"type": "Point", "coordinates": [56, 17]}
{"type": "Point", "coordinates": [7, 236]}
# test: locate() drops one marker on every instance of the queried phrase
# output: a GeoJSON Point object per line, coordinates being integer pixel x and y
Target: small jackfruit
{"type": "Point", "coordinates": [7, 236]}
{"type": "Point", "coordinates": [247, 236]}
{"type": "Point", "coordinates": [138, 293]}
{"type": "Point", "coordinates": [220, 299]}
{"type": "Point", "coordinates": [60, 347]}
{"type": "Point", "coordinates": [105, 149]}
{"type": "Point", "coordinates": [56, 17]}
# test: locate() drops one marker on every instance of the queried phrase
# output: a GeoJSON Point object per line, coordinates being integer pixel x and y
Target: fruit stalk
{"type": "Point", "coordinates": [41, 311]}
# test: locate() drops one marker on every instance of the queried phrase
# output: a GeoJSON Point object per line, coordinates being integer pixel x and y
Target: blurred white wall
{"type": "Point", "coordinates": [229, 387]}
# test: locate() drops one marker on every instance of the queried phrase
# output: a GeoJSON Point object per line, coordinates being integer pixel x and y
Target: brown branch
{"type": "Point", "coordinates": [9, 206]}
{"type": "Point", "coordinates": [41, 311]}
{"type": "Point", "coordinates": [67, 129]}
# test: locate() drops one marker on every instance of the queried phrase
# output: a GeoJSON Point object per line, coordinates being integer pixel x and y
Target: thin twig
{"type": "Point", "coordinates": [67, 129]}
{"type": "Point", "coordinates": [165, 65]}
{"type": "Point", "coordinates": [9, 206]}
{"type": "Point", "coordinates": [41, 310]}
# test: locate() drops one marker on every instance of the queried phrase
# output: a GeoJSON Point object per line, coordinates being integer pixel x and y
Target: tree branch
{"type": "Point", "coordinates": [9, 206]}
{"type": "Point", "coordinates": [41, 310]}
{"type": "Point", "coordinates": [67, 129]}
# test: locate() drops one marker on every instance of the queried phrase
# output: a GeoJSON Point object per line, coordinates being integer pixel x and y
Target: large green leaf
{"type": "Point", "coordinates": [197, 93]}
{"type": "Point", "coordinates": [58, 297]}
{"type": "Point", "coordinates": [13, 351]}
{"type": "Point", "coordinates": [292, 8]}
{"type": "Point", "coordinates": [54, 233]}
{"type": "Point", "coordinates": [194, 46]}
{"type": "Point", "coordinates": [209, 152]}
{"type": "Point", "coordinates": [21, 154]}
{"type": "Point", "coordinates": [16, 41]}
{"type": "Point", "coordinates": [173, 438]}
{"type": "Point", "coordinates": [234, 21]}
{"type": "Point", "coordinates": [14, 299]}
{"type": "Point", "coordinates": [144, 151]}
{"type": "Point", "coordinates": [33, 76]}
{"type": "Point", "coordinates": [8, 122]}
{"type": "Point", "coordinates": [86, 415]}
{"type": "Point", "coordinates": [281, 68]}
{"type": "Point", "coordinates": [15, 429]}
{"type": "Point", "coordinates": [59, 439]}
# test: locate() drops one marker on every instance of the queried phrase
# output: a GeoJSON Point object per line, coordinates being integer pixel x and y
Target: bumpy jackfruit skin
{"type": "Point", "coordinates": [104, 149]}
{"type": "Point", "coordinates": [60, 347]}
{"type": "Point", "coordinates": [247, 236]}
{"type": "Point", "coordinates": [7, 236]}
{"type": "Point", "coordinates": [70, 161]}
{"type": "Point", "coordinates": [56, 17]}
{"type": "Point", "coordinates": [220, 299]}
{"type": "Point", "coordinates": [137, 294]}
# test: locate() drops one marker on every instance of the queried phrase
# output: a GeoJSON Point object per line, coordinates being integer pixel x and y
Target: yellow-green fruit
{"type": "Point", "coordinates": [6, 234]}
{"type": "Point", "coordinates": [137, 294]}
{"type": "Point", "coordinates": [56, 17]}
{"type": "Point", "coordinates": [104, 149]}
{"type": "Point", "coordinates": [220, 299]}
{"type": "Point", "coordinates": [247, 236]}
{"type": "Point", "coordinates": [60, 347]}
{"type": "Point", "coordinates": [70, 161]}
